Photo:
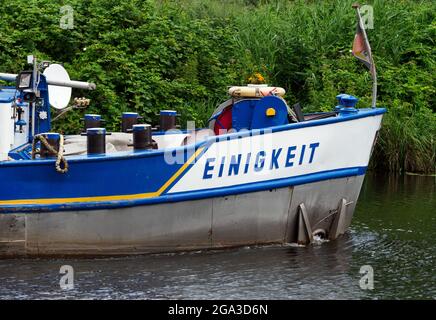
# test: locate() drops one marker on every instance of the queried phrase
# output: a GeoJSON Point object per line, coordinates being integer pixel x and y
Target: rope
{"type": "Point", "coordinates": [61, 163]}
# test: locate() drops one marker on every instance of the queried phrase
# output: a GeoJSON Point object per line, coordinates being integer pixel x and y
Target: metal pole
{"type": "Point", "coordinates": [34, 89]}
{"type": "Point", "coordinates": [71, 83]}
{"type": "Point", "coordinates": [8, 76]}
{"type": "Point", "coordinates": [374, 86]}
{"type": "Point", "coordinates": [372, 68]}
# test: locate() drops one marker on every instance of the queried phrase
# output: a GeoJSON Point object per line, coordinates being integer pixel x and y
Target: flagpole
{"type": "Point", "coordinates": [372, 70]}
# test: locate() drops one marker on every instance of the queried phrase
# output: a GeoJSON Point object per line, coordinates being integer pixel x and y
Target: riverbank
{"type": "Point", "coordinates": [152, 55]}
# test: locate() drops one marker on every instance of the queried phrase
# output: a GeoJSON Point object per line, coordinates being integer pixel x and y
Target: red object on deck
{"type": "Point", "coordinates": [223, 121]}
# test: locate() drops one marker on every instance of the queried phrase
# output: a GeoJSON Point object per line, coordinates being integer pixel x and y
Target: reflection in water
{"type": "Point", "coordinates": [393, 231]}
{"type": "Point", "coordinates": [401, 212]}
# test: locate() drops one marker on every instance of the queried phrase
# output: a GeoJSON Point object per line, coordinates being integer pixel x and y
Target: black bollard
{"type": "Point", "coordinates": [53, 140]}
{"type": "Point", "coordinates": [96, 140]}
{"type": "Point", "coordinates": [167, 120]}
{"type": "Point", "coordinates": [128, 119]}
{"type": "Point", "coordinates": [142, 137]}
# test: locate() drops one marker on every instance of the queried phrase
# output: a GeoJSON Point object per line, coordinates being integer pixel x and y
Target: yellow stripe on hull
{"type": "Point", "coordinates": [107, 198]}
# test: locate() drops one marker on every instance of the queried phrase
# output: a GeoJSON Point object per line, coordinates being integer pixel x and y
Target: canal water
{"type": "Point", "coordinates": [393, 233]}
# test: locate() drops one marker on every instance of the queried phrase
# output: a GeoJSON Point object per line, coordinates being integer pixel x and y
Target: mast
{"type": "Point", "coordinates": [371, 65]}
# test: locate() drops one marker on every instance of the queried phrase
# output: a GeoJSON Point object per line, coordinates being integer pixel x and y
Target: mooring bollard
{"type": "Point", "coordinates": [53, 140]}
{"type": "Point", "coordinates": [349, 102]}
{"type": "Point", "coordinates": [128, 119]}
{"type": "Point", "coordinates": [142, 137]}
{"type": "Point", "coordinates": [96, 140]}
{"type": "Point", "coordinates": [92, 121]}
{"type": "Point", "coordinates": [167, 120]}
{"type": "Point", "coordinates": [340, 103]}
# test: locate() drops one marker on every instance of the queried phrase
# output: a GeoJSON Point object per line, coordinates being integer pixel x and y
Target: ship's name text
{"type": "Point", "coordinates": [259, 161]}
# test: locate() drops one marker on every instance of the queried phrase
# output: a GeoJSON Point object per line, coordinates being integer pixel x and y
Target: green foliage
{"type": "Point", "coordinates": [167, 54]}
{"type": "Point", "coordinates": [144, 57]}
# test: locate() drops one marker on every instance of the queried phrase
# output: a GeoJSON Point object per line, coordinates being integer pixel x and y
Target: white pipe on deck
{"type": "Point", "coordinates": [8, 76]}
{"type": "Point", "coordinates": [71, 83]}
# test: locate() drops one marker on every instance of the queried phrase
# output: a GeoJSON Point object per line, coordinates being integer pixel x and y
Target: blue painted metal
{"type": "Point", "coordinates": [89, 116]}
{"type": "Point", "coordinates": [97, 175]}
{"type": "Point", "coordinates": [23, 152]}
{"type": "Point", "coordinates": [340, 103]}
{"type": "Point", "coordinates": [40, 109]}
{"type": "Point", "coordinates": [20, 103]}
{"type": "Point", "coordinates": [242, 113]}
{"type": "Point", "coordinates": [168, 112]}
{"type": "Point", "coordinates": [193, 195]}
{"type": "Point", "coordinates": [349, 101]}
{"type": "Point", "coordinates": [261, 120]}
{"type": "Point", "coordinates": [51, 135]}
{"type": "Point", "coordinates": [42, 124]}
{"type": "Point", "coordinates": [7, 95]}
{"type": "Point", "coordinates": [20, 122]}
{"type": "Point", "coordinates": [130, 115]}
{"type": "Point", "coordinates": [348, 104]}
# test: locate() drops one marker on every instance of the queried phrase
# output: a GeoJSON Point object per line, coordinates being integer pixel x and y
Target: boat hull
{"type": "Point", "coordinates": [280, 185]}
{"type": "Point", "coordinates": [263, 217]}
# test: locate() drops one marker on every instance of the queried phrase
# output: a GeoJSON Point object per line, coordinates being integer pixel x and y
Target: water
{"type": "Point", "coordinates": [393, 231]}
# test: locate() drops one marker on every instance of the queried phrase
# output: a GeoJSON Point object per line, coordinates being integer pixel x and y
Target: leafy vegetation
{"type": "Point", "coordinates": [160, 54]}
